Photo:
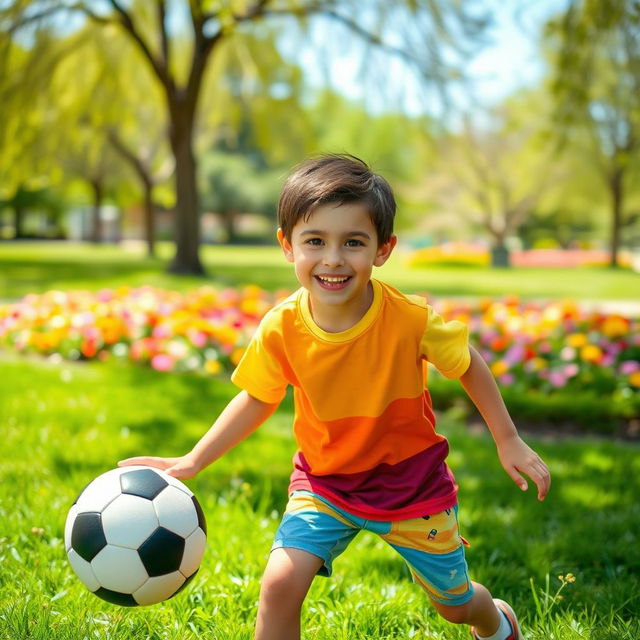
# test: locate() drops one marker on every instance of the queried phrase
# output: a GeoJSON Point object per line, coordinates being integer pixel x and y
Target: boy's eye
{"type": "Point", "coordinates": [316, 242]}
{"type": "Point", "coordinates": [354, 243]}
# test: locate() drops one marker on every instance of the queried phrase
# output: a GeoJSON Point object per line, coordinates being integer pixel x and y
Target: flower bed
{"type": "Point", "coordinates": [555, 362]}
{"type": "Point", "coordinates": [478, 255]}
{"type": "Point", "coordinates": [202, 330]}
{"type": "Point", "coordinates": [550, 349]}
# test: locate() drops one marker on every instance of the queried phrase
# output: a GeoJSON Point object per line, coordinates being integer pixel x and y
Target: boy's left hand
{"type": "Point", "coordinates": [517, 457]}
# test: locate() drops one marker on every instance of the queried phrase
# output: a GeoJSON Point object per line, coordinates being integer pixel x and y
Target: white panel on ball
{"type": "Point", "coordinates": [83, 570]}
{"type": "Point", "coordinates": [159, 588]}
{"type": "Point", "coordinates": [193, 549]}
{"type": "Point", "coordinates": [174, 482]}
{"type": "Point", "coordinates": [103, 490]}
{"type": "Point", "coordinates": [175, 511]}
{"type": "Point", "coordinates": [119, 569]}
{"type": "Point", "coordinates": [128, 521]}
{"type": "Point", "coordinates": [68, 526]}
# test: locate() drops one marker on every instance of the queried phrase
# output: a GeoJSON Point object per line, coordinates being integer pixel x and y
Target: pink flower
{"type": "Point", "coordinates": [198, 338]}
{"type": "Point", "coordinates": [571, 370]}
{"type": "Point", "coordinates": [557, 379]}
{"type": "Point", "coordinates": [162, 362]}
{"type": "Point", "coordinates": [161, 331]}
{"type": "Point", "coordinates": [629, 367]}
{"type": "Point", "coordinates": [507, 379]}
{"type": "Point", "coordinates": [514, 354]}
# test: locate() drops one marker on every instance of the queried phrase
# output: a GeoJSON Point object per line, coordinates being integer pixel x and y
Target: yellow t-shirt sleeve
{"type": "Point", "coordinates": [259, 372]}
{"type": "Point", "coordinates": [446, 345]}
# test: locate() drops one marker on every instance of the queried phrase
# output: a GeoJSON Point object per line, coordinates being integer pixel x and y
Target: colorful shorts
{"type": "Point", "coordinates": [431, 545]}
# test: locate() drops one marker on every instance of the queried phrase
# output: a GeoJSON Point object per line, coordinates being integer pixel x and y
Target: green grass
{"type": "Point", "coordinates": [63, 424]}
{"type": "Point", "coordinates": [34, 267]}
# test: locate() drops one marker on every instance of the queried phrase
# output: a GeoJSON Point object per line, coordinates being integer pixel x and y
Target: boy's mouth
{"type": "Point", "coordinates": [333, 283]}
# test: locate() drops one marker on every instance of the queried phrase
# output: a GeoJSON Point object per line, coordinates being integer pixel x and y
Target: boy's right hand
{"type": "Point", "coordinates": [181, 467]}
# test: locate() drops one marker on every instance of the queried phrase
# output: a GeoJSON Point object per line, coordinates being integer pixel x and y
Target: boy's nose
{"type": "Point", "coordinates": [332, 258]}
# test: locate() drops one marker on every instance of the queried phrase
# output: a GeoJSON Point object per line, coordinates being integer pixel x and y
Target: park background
{"type": "Point", "coordinates": [143, 145]}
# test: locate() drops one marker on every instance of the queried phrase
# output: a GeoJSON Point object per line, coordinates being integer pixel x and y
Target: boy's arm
{"type": "Point", "coordinates": [515, 455]}
{"type": "Point", "coordinates": [241, 417]}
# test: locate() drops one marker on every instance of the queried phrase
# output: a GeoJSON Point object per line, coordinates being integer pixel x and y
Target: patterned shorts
{"type": "Point", "coordinates": [431, 545]}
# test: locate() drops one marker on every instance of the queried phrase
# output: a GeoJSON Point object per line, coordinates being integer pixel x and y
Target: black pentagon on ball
{"type": "Point", "coordinates": [201, 519]}
{"type": "Point", "coordinates": [87, 535]}
{"type": "Point", "coordinates": [162, 552]}
{"type": "Point", "coordinates": [144, 483]}
{"type": "Point", "coordinates": [115, 597]}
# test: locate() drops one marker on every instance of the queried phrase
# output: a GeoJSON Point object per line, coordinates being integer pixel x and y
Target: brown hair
{"type": "Point", "coordinates": [336, 178]}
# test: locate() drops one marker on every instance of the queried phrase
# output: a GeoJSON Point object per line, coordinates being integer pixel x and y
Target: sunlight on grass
{"type": "Point", "coordinates": [66, 423]}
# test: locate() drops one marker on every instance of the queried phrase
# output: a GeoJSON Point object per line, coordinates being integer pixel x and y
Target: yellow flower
{"type": "Point", "coordinates": [212, 367]}
{"type": "Point", "coordinates": [634, 379]}
{"type": "Point", "coordinates": [576, 340]}
{"type": "Point", "coordinates": [591, 353]}
{"type": "Point", "coordinates": [615, 326]}
{"type": "Point", "coordinates": [499, 367]}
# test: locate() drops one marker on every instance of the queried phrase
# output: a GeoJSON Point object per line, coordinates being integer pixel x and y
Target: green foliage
{"type": "Point", "coordinates": [65, 424]}
{"type": "Point", "coordinates": [571, 412]}
{"type": "Point", "coordinates": [232, 183]}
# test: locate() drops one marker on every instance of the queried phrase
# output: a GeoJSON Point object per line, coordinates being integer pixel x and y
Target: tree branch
{"type": "Point", "coordinates": [136, 163]}
{"type": "Point", "coordinates": [159, 67]}
{"type": "Point", "coordinates": [164, 40]}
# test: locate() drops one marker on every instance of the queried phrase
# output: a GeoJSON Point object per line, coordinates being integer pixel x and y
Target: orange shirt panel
{"type": "Point", "coordinates": [357, 444]}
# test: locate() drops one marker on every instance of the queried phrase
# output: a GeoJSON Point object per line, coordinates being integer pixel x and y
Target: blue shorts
{"type": "Point", "coordinates": [431, 545]}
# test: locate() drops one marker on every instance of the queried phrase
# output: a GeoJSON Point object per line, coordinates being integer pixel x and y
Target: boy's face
{"type": "Point", "coordinates": [333, 253]}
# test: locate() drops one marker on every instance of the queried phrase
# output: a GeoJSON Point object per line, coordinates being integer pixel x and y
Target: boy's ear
{"type": "Point", "coordinates": [384, 251]}
{"type": "Point", "coordinates": [287, 249]}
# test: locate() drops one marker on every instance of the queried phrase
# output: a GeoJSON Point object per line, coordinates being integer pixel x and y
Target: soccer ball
{"type": "Point", "coordinates": [135, 536]}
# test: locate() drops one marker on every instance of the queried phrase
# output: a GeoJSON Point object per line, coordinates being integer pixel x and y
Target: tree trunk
{"type": "Point", "coordinates": [149, 219]}
{"type": "Point", "coordinates": [18, 217]}
{"type": "Point", "coordinates": [617, 198]}
{"type": "Point", "coordinates": [96, 222]}
{"type": "Point", "coordinates": [500, 255]}
{"type": "Point", "coordinates": [141, 170]}
{"type": "Point", "coordinates": [187, 213]}
{"type": "Point", "coordinates": [229, 222]}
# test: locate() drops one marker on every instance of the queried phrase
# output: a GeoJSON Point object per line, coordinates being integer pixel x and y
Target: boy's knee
{"type": "Point", "coordinates": [282, 585]}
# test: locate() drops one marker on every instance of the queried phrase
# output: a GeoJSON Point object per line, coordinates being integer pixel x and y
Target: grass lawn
{"type": "Point", "coordinates": [63, 424]}
{"type": "Point", "coordinates": [35, 267]}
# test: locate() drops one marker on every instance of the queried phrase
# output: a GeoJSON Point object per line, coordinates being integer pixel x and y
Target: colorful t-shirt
{"type": "Point", "coordinates": [364, 423]}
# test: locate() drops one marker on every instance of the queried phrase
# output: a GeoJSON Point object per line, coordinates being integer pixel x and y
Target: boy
{"type": "Point", "coordinates": [355, 351]}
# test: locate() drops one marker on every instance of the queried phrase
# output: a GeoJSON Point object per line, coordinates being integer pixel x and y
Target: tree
{"type": "Point", "coordinates": [596, 83]}
{"type": "Point", "coordinates": [427, 27]}
{"type": "Point", "coordinates": [494, 173]}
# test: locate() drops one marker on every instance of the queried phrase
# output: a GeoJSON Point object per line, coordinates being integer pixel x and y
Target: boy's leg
{"type": "Point", "coordinates": [485, 615]}
{"type": "Point", "coordinates": [433, 549]}
{"type": "Point", "coordinates": [311, 535]}
{"type": "Point", "coordinates": [480, 612]}
{"type": "Point", "coordinates": [285, 583]}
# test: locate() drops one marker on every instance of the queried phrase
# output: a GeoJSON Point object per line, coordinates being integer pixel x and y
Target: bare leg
{"type": "Point", "coordinates": [285, 584]}
{"type": "Point", "coordinates": [480, 612]}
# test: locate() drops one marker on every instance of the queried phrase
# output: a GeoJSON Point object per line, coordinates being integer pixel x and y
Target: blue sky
{"type": "Point", "coordinates": [510, 60]}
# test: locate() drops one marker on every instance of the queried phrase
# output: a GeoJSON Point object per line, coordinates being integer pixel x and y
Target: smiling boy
{"type": "Point", "coordinates": [355, 351]}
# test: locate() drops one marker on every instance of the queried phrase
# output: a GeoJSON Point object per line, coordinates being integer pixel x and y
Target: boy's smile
{"type": "Point", "coordinates": [333, 252]}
